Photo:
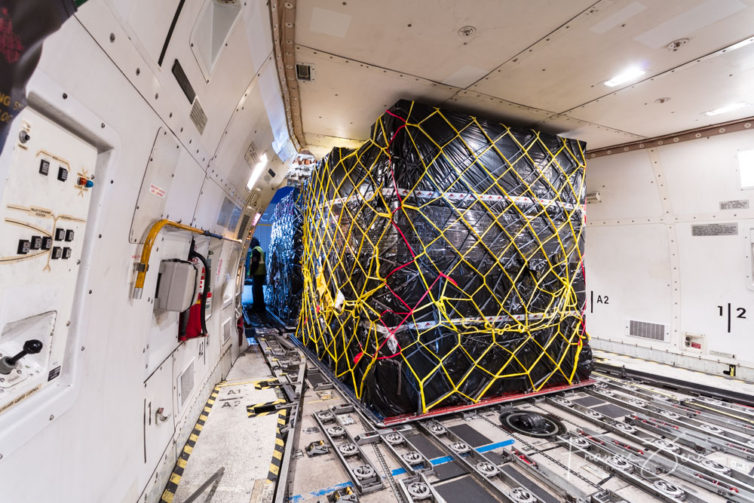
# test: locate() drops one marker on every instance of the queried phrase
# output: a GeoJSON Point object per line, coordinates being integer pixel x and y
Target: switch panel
{"type": "Point", "coordinates": [44, 167]}
{"type": "Point", "coordinates": [39, 264]}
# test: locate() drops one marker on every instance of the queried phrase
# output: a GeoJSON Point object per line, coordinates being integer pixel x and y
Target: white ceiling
{"type": "Point", "coordinates": [538, 62]}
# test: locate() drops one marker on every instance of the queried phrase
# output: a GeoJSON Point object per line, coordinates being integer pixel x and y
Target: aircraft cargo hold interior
{"type": "Point", "coordinates": [427, 251]}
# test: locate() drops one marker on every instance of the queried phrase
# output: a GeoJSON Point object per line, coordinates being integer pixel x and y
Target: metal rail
{"type": "Point", "coordinates": [360, 469]}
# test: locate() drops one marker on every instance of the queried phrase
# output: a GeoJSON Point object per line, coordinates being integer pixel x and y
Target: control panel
{"type": "Point", "coordinates": [46, 192]}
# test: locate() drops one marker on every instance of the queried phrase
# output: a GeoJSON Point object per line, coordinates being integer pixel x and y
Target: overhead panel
{"type": "Point", "coordinates": [693, 90]}
{"type": "Point", "coordinates": [596, 135]}
{"type": "Point", "coordinates": [428, 39]}
{"type": "Point", "coordinates": [334, 104]}
{"type": "Point", "coordinates": [492, 106]}
{"type": "Point", "coordinates": [149, 21]}
{"type": "Point", "coordinates": [544, 77]}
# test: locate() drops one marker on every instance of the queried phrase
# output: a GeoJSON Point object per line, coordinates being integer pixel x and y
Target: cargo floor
{"type": "Point", "coordinates": [619, 440]}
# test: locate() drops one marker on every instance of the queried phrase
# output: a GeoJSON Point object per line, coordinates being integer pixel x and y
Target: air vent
{"type": "Point", "coordinates": [304, 72]}
{"type": "Point", "coordinates": [185, 384]}
{"type": "Point", "coordinates": [183, 81]}
{"type": "Point", "coordinates": [646, 330]}
{"type": "Point", "coordinates": [198, 117]}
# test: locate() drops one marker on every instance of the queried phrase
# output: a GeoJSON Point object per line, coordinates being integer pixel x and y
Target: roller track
{"type": "Point", "coordinates": [622, 441]}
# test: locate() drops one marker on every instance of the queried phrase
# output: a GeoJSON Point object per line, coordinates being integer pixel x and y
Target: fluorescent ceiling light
{"type": "Point", "coordinates": [740, 44]}
{"type": "Point", "coordinates": [627, 75]}
{"type": "Point", "coordinates": [727, 108]}
{"type": "Point", "coordinates": [746, 168]}
{"type": "Point", "coordinates": [257, 171]}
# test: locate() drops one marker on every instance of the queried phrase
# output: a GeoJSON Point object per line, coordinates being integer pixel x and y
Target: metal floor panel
{"type": "Point", "coordinates": [465, 489]}
{"type": "Point", "coordinates": [425, 446]}
{"type": "Point", "coordinates": [470, 435]}
{"type": "Point", "coordinates": [612, 410]}
{"type": "Point", "coordinates": [588, 401]}
{"type": "Point", "coordinates": [449, 470]}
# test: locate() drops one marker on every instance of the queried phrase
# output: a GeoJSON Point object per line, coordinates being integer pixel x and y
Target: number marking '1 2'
{"type": "Point", "coordinates": [740, 313]}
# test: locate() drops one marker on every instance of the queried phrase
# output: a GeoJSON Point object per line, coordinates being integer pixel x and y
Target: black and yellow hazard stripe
{"type": "Point", "coordinates": [267, 384]}
{"type": "Point", "coordinates": [277, 454]}
{"type": "Point", "coordinates": [264, 408]}
{"type": "Point", "coordinates": [180, 465]}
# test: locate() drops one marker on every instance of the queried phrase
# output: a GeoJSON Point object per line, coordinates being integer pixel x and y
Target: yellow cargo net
{"type": "Point", "coordinates": [366, 239]}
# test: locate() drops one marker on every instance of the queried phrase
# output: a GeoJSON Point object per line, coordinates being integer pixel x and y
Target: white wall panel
{"type": "Point", "coordinates": [700, 174]}
{"type": "Point", "coordinates": [184, 191]}
{"type": "Point", "coordinates": [92, 449]}
{"type": "Point", "coordinates": [716, 301]}
{"type": "Point", "coordinates": [628, 278]}
{"type": "Point", "coordinates": [628, 195]}
{"type": "Point", "coordinates": [640, 243]}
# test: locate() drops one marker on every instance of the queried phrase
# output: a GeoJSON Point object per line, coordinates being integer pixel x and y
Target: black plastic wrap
{"type": "Point", "coordinates": [442, 262]}
{"type": "Point", "coordinates": [284, 281]}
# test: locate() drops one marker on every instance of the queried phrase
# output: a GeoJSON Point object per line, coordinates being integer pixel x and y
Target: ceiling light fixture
{"type": "Point", "coordinates": [257, 171]}
{"type": "Point", "coordinates": [740, 44]}
{"type": "Point", "coordinates": [627, 75]}
{"type": "Point", "coordinates": [727, 108]}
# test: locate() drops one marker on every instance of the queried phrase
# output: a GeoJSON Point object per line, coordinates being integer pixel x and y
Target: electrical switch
{"type": "Point", "coordinates": [69, 235]}
{"type": "Point", "coordinates": [66, 253]}
{"type": "Point", "coordinates": [59, 234]}
{"type": "Point", "coordinates": [46, 243]}
{"type": "Point", "coordinates": [31, 347]}
{"type": "Point", "coordinates": [62, 174]}
{"type": "Point", "coordinates": [23, 246]}
{"type": "Point", "coordinates": [57, 252]}
{"type": "Point", "coordinates": [44, 167]}
{"type": "Point", "coordinates": [36, 242]}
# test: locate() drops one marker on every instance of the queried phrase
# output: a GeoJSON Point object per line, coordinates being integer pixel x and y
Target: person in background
{"type": "Point", "coordinates": [258, 272]}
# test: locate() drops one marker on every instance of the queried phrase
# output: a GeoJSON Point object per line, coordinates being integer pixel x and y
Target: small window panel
{"type": "Point", "coordinates": [746, 169]}
{"type": "Point", "coordinates": [211, 31]}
